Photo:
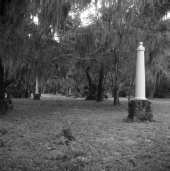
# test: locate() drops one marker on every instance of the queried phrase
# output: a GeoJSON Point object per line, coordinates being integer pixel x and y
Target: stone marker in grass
{"type": "Point", "coordinates": [37, 94]}
{"type": "Point", "coordinates": [140, 108]}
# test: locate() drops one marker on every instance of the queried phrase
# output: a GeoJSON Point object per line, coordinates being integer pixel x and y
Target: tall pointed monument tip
{"type": "Point", "coordinates": [141, 43]}
{"type": "Point", "coordinates": [141, 47]}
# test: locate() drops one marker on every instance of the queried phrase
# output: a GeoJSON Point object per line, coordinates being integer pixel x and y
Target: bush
{"type": "Point", "coordinates": [123, 93]}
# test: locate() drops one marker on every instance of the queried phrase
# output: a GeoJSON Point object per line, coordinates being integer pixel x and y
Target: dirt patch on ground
{"type": "Point", "coordinates": [30, 141]}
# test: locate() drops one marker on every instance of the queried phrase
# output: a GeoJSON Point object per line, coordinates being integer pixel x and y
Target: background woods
{"type": "Point", "coordinates": [93, 60]}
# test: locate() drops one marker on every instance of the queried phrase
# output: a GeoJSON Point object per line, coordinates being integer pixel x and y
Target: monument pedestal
{"type": "Point", "coordinates": [36, 96]}
{"type": "Point", "coordinates": [140, 110]}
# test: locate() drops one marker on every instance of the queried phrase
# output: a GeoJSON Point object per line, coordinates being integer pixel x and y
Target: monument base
{"type": "Point", "coordinates": [8, 104]}
{"type": "Point", "coordinates": [36, 96]}
{"type": "Point", "coordinates": [140, 110]}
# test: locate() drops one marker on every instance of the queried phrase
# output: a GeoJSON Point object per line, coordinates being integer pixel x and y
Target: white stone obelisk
{"type": "Point", "coordinates": [140, 74]}
{"type": "Point", "coordinates": [37, 86]}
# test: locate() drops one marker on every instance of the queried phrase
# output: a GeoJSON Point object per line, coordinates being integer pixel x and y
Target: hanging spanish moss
{"type": "Point", "coordinates": [53, 14]}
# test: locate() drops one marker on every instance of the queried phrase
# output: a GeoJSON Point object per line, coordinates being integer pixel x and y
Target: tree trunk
{"type": "Point", "coordinates": [92, 87]}
{"type": "Point", "coordinates": [2, 90]}
{"type": "Point", "coordinates": [8, 82]}
{"type": "Point", "coordinates": [130, 89]}
{"type": "Point", "coordinates": [27, 94]}
{"type": "Point", "coordinates": [152, 91]}
{"type": "Point", "coordinates": [116, 95]}
{"type": "Point", "coordinates": [2, 86]}
{"type": "Point", "coordinates": [19, 89]}
{"type": "Point", "coordinates": [9, 93]}
{"type": "Point", "coordinates": [66, 87]}
{"type": "Point", "coordinates": [55, 90]}
{"type": "Point", "coordinates": [2, 7]}
{"type": "Point", "coordinates": [78, 90]}
{"type": "Point", "coordinates": [116, 84]}
{"type": "Point", "coordinates": [9, 99]}
{"type": "Point", "coordinates": [100, 84]}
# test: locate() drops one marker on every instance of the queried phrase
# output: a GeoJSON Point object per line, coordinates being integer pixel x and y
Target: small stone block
{"type": "Point", "coordinates": [140, 110]}
{"type": "Point", "coordinates": [36, 96]}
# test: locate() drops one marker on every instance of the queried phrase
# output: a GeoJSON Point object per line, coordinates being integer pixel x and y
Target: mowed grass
{"type": "Point", "coordinates": [105, 141]}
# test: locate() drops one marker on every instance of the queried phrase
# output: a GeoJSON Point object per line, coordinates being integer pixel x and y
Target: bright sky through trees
{"type": "Point", "coordinates": [88, 14]}
{"type": "Point", "coordinates": [168, 16]}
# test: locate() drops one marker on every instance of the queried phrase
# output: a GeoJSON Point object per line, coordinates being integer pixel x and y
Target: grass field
{"type": "Point", "coordinates": [104, 140]}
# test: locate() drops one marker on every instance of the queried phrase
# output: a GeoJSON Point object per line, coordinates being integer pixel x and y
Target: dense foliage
{"type": "Point", "coordinates": [91, 61]}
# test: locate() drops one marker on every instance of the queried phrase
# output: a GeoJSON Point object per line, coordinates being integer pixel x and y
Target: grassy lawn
{"type": "Point", "coordinates": [30, 137]}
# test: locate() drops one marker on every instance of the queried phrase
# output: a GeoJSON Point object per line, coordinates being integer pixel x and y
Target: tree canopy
{"type": "Point", "coordinates": [90, 60]}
